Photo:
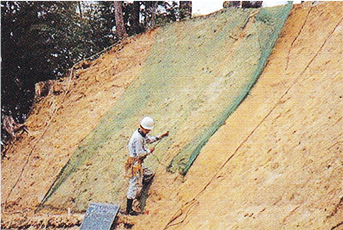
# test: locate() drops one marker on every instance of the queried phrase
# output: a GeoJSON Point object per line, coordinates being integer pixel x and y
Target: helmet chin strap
{"type": "Point", "coordinates": [143, 131]}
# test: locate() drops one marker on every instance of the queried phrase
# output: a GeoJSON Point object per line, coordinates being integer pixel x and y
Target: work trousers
{"type": "Point", "coordinates": [136, 182]}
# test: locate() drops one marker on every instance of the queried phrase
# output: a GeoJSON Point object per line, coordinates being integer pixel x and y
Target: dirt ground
{"type": "Point", "coordinates": [59, 122]}
{"type": "Point", "coordinates": [277, 163]}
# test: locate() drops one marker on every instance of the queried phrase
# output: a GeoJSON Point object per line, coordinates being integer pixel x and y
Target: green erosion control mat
{"type": "Point", "coordinates": [196, 75]}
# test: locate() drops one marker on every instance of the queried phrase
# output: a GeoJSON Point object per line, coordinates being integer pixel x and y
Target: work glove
{"type": "Point", "coordinates": [164, 135]}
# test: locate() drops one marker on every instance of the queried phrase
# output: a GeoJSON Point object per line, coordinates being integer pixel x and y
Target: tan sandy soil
{"type": "Point", "coordinates": [58, 123]}
{"type": "Point", "coordinates": [277, 163]}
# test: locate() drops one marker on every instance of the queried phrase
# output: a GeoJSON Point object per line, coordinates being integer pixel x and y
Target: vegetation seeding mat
{"type": "Point", "coordinates": [196, 75]}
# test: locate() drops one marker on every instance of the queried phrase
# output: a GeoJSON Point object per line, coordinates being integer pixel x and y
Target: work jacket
{"type": "Point", "coordinates": [137, 144]}
{"type": "Point", "coordinates": [137, 152]}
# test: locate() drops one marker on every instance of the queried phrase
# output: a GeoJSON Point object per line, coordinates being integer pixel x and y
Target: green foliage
{"type": "Point", "coordinates": [169, 13]}
{"type": "Point", "coordinates": [27, 48]}
{"type": "Point", "coordinates": [41, 41]}
{"type": "Point", "coordinates": [151, 14]}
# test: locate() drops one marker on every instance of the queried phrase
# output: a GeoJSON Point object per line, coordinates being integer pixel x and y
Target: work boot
{"type": "Point", "coordinates": [129, 206]}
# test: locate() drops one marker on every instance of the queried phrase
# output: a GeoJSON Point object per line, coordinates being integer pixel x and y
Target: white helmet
{"type": "Point", "coordinates": [147, 123]}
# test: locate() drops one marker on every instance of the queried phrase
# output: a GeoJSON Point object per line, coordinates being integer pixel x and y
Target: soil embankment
{"type": "Point", "coordinates": [276, 163]}
{"type": "Point", "coordinates": [60, 122]}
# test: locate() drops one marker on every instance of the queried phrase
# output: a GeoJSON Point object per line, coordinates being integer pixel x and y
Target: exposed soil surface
{"type": "Point", "coordinates": [277, 163]}
{"type": "Point", "coordinates": [58, 124]}
{"type": "Point", "coordinates": [189, 84]}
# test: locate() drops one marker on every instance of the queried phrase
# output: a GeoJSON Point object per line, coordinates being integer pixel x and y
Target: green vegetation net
{"type": "Point", "coordinates": [196, 75]}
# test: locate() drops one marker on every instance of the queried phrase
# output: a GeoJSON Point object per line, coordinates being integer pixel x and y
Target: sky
{"type": "Point", "coordinates": [202, 7]}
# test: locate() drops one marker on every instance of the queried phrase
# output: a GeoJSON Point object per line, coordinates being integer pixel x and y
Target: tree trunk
{"type": "Point", "coordinates": [135, 14]}
{"type": "Point", "coordinates": [118, 16]}
{"type": "Point", "coordinates": [80, 9]}
{"type": "Point", "coordinates": [185, 9]}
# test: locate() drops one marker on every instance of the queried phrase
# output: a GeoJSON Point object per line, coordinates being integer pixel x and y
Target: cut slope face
{"type": "Point", "coordinates": [60, 122]}
{"type": "Point", "coordinates": [277, 163]}
{"type": "Point", "coordinates": [190, 84]}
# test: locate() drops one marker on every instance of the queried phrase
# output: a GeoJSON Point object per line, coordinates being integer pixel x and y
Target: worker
{"type": "Point", "coordinates": [137, 173]}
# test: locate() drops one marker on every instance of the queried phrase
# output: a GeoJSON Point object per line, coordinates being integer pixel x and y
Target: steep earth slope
{"type": "Point", "coordinates": [60, 121]}
{"type": "Point", "coordinates": [190, 83]}
{"type": "Point", "coordinates": [275, 164]}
